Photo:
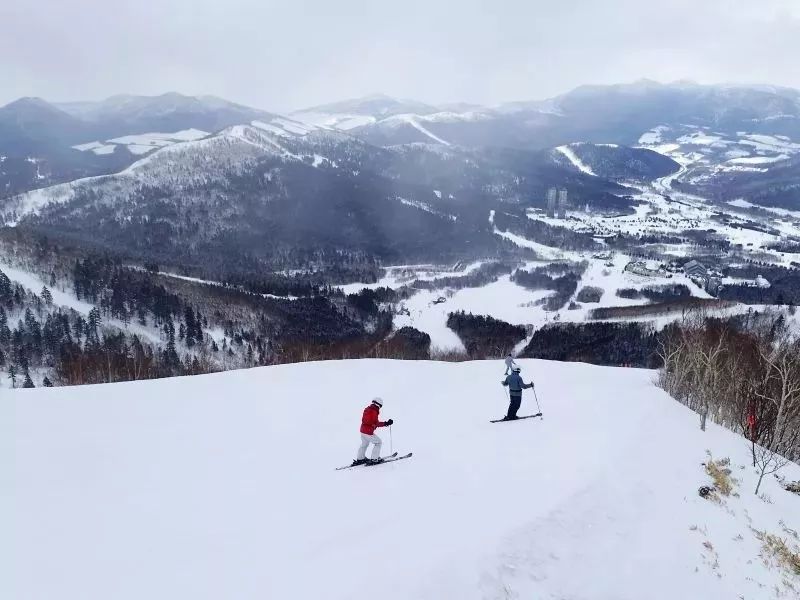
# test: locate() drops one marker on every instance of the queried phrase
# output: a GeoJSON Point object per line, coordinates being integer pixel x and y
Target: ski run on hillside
{"type": "Point", "coordinates": [224, 486]}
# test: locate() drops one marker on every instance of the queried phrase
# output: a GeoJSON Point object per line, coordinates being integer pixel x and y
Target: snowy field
{"type": "Point", "coordinates": [505, 300]}
{"type": "Point", "coordinates": [223, 486]}
{"type": "Point", "coordinates": [142, 143]}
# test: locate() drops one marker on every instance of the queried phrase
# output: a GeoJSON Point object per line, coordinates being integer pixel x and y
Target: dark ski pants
{"type": "Point", "coordinates": [513, 406]}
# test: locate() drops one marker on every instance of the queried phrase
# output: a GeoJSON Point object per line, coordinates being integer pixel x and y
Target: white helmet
{"type": "Point", "coordinates": [378, 401]}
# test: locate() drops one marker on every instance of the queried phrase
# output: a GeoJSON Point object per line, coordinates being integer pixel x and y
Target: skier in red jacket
{"type": "Point", "coordinates": [369, 423]}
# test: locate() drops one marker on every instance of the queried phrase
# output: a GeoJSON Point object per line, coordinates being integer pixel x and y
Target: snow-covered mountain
{"type": "Point", "coordinates": [600, 114]}
{"type": "Point", "coordinates": [348, 114]}
{"type": "Point", "coordinates": [30, 124]}
{"type": "Point", "coordinates": [224, 486]}
{"type": "Point", "coordinates": [128, 114]}
{"type": "Point", "coordinates": [279, 184]}
{"type": "Point", "coordinates": [43, 143]}
{"type": "Point", "coordinates": [407, 181]}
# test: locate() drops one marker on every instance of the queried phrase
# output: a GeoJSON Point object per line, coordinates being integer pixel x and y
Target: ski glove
{"type": "Point", "coordinates": [390, 422]}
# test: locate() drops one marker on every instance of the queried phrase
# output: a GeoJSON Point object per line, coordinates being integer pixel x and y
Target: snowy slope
{"type": "Point", "coordinates": [415, 122]}
{"type": "Point", "coordinates": [223, 486]}
{"type": "Point", "coordinates": [569, 153]}
{"type": "Point", "coordinates": [177, 161]}
{"type": "Point", "coordinates": [142, 143]}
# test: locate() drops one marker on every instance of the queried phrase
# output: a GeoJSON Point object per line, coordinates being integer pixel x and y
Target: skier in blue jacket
{"type": "Point", "coordinates": [515, 386]}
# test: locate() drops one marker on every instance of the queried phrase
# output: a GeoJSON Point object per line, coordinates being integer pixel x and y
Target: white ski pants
{"type": "Point", "coordinates": [366, 440]}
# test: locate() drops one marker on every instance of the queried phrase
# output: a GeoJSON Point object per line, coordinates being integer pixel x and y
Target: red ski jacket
{"type": "Point", "coordinates": [370, 421]}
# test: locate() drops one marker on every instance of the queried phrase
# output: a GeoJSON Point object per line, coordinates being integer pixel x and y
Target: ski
{"type": "Point", "coordinates": [517, 419]}
{"type": "Point", "coordinates": [391, 459]}
{"type": "Point", "coordinates": [391, 456]}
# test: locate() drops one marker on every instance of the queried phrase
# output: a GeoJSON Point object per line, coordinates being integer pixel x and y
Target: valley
{"type": "Point", "coordinates": [397, 216]}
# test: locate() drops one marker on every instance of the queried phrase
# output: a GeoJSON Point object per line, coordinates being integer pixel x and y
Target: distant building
{"type": "Point", "coordinates": [561, 210]}
{"type": "Point", "coordinates": [641, 269]}
{"type": "Point", "coordinates": [552, 199]}
{"type": "Point", "coordinates": [694, 268]}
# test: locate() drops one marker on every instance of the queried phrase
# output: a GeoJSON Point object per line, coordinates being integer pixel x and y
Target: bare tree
{"type": "Point", "coordinates": [747, 379]}
{"type": "Point", "coordinates": [781, 384]}
{"type": "Point", "coordinates": [767, 462]}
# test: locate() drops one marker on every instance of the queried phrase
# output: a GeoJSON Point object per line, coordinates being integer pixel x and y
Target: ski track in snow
{"type": "Point", "coordinates": [427, 132]}
{"type": "Point", "coordinates": [223, 486]}
{"type": "Point", "coordinates": [577, 162]}
{"type": "Point", "coordinates": [414, 122]}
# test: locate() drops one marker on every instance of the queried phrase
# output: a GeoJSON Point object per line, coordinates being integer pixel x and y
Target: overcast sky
{"type": "Point", "coordinates": [291, 54]}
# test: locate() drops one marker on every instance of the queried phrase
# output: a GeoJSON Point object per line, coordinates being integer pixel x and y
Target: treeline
{"type": "Point", "coordinates": [174, 316]}
{"type": "Point", "coordinates": [123, 293]}
{"type": "Point", "coordinates": [590, 294]}
{"type": "Point", "coordinates": [540, 279]}
{"type": "Point", "coordinates": [73, 349]}
{"type": "Point", "coordinates": [785, 246]}
{"type": "Point", "coordinates": [485, 274]}
{"type": "Point", "coordinates": [682, 305]}
{"type": "Point", "coordinates": [543, 233]}
{"type": "Point", "coordinates": [115, 356]}
{"type": "Point", "coordinates": [314, 282]}
{"type": "Point", "coordinates": [406, 343]}
{"type": "Point", "coordinates": [742, 374]}
{"type": "Point", "coordinates": [784, 286]}
{"type": "Point", "coordinates": [656, 294]}
{"type": "Point", "coordinates": [612, 344]}
{"type": "Point", "coordinates": [484, 336]}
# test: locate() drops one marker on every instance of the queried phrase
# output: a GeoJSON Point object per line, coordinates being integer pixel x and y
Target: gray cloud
{"type": "Point", "coordinates": [284, 55]}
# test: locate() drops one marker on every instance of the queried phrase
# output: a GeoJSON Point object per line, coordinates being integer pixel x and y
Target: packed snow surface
{"type": "Point", "coordinates": [142, 143]}
{"type": "Point", "coordinates": [223, 486]}
{"type": "Point", "coordinates": [573, 158]}
{"type": "Point", "coordinates": [414, 122]}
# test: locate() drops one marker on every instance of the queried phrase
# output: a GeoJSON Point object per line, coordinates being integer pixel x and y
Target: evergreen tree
{"type": "Point", "coordinates": [28, 383]}
{"type": "Point", "coordinates": [5, 332]}
{"type": "Point", "coordinates": [95, 319]}
{"type": "Point", "coordinates": [46, 382]}
{"type": "Point", "coordinates": [170, 354]}
{"type": "Point", "coordinates": [47, 296]}
{"type": "Point", "coordinates": [190, 326]}
{"type": "Point", "coordinates": [12, 375]}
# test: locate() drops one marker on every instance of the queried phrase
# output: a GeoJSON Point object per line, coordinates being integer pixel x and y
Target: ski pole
{"type": "Point", "coordinates": [391, 442]}
{"type": "Point", "coordinates": [538, 408]}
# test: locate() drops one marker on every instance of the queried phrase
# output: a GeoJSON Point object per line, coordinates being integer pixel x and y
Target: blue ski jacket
{"type": "Point", "coordinates": [516, 385]}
